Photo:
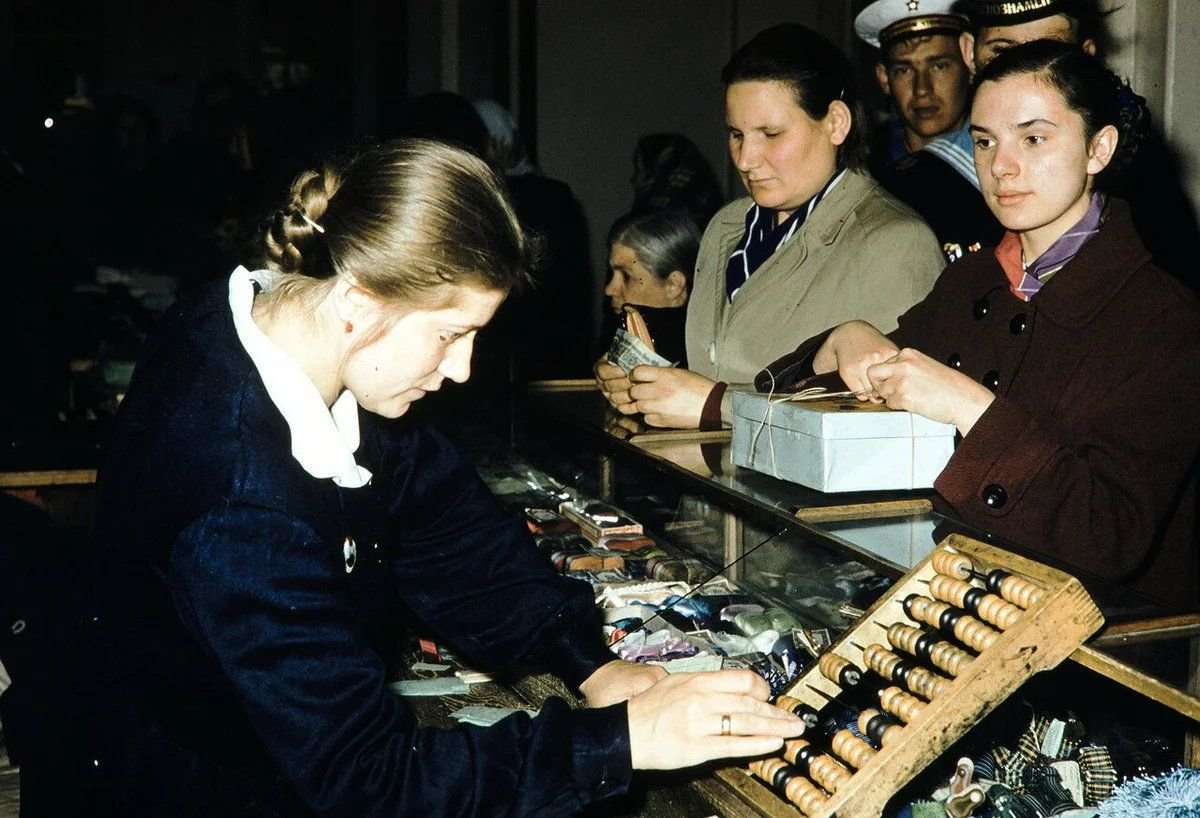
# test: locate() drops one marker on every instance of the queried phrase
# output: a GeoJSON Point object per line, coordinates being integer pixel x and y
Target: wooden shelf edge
{"type": "Point", "coordinates": [563, 385]}
{"type": "Point", "coordinates": [41, 479]}
{"type": "Point", "coordinates": [1158, 629]}
{"type": "Point", "coordinates": [864, 511]}
{"type": "Point", "coordinates": [1137, 681]}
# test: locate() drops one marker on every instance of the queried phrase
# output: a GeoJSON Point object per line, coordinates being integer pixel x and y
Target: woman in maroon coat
{"type": "Point", "coordinates": [1068, 361]}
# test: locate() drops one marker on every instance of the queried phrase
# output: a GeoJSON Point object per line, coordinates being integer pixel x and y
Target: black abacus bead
{"type": "Point", "coordinates": [949, 619]}
{"type": "Point", "coordinates": [783, 775]}
{"type": "Point", "coordinates": [924, 646]}
{"type": "Point", "coordinates": [876, 727]}
{"type": "Point", "coordinates": [804, 757]}
{"type": "Point", "coordinates": [808, 715]}
{"type": "Point", "coordinates": [995, 579]}
{"type": "Point", "coordinates": [901, 671]}
{"type": "Point", "coordinates": [908, 603]}
{"type": "Point", "coordinates": [850, 676]}
{"type": "Point", "coordinates": [972, 598]}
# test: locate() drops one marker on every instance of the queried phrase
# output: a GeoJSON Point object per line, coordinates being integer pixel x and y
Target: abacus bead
{"type": "Point", "coordinates": [829, 774]}
{"type": "Point", "coordinates": [799, 708]}
{"type": "Point", "coordinates": [946, 589]}
{"type": "Point", "coordinates": [783, 775]}
{"type": "Point", "coordinates": [953, 565]}
{"type": "Point", "coordinates": [980, 635]}
{"type": "Point", "coordinates": [900, 704]}
{"type": "Point", "coordinates": [972, 597]}
{"type": "Point", "coordinates": [904, 637]}
{"type": "Point", "coordinates": [995, 580]}
{"type": "Point", "coordinates": [785, 702]}
{"type": "Point", "coordinates": [852, 749]}
{"type": "Point", "coordinates": [799, 752]}
{"type": "Point", "coordinates": [805, 795]}
{"type": "Point", "coordinates": [767, 768]}
{"type": "Point", "coordinates": [923, 645]}
{"type": "Point", "coordinates": [838, 670]}
{"type": "Point", "coordinates": [938, 686]}
{"type": "Point", "coordinates": [879, 659]}
{"type": "Point", "coordinates": [1025, 593]}
{"type": "Point", "coordinates": [876, 726]}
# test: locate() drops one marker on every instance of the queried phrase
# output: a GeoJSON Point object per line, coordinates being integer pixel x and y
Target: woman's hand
{"type": "Point", "coordinates": [614, 385]}
{"type": "Point", "coordinates": [669, 396]}
{"type": "Point", "coordinates": [619, 680]}
{"type": "Point", "coordinates": [679, 721]}
{"type": "Point", "coordinates": [849, 350]}
{"type": "Point", "coordinates": [914, 382]}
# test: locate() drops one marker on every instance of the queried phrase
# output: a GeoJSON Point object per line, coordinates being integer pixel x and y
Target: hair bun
{"type": "Point", "coordinates": [294, 237]}
{"type": "Point", "coordinates": [1133, 125]}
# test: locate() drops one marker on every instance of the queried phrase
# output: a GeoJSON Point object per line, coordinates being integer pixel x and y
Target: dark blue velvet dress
{"type": "Point", "coordinates": [254, 660]}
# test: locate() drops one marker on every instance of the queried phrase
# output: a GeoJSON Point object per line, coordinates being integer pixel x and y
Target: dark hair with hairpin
{"type": "Point", "coordinates": [1088, 88]}
{"type": "Point", "coordinates": [392, 216]}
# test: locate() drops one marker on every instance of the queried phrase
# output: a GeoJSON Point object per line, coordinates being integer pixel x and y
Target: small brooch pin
{"type": "Point", "coordinates": [350, 552]}
{"type": "Point", "coordinates": [913, 5]}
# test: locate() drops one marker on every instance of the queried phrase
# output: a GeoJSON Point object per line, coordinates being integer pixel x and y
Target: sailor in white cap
{"type": "Point", "coordinates": [996, 26]}
{"type": "Point", "coordinates": [931, 163]}
{"type": "Point", "coordinates": [920, 67]}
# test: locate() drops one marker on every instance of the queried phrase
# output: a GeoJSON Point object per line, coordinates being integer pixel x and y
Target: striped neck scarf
{"type": "Point", "coordinates": [762, 237]}
{"type": "Point", "coordinates": [1026, 279]}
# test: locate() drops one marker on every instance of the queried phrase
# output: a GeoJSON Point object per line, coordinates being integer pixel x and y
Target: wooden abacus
{"type": "Point", "coordinates": [964, 629]}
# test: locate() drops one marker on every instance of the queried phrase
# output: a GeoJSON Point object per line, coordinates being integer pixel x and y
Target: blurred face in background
{"type": "Point", "coordinates": [783, 155]}
{"type": "Point", "coordinates": [929, 84]}
{"type": "Point", "coordinates": [979, 50]}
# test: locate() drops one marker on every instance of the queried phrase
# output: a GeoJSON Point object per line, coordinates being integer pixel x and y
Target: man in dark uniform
{"type": "Point", "coordinates": [1162, 213]}
{"type": "Point", "coordinates": [996, 26]}
{"type": "Point", "coordinates": [930, 160]}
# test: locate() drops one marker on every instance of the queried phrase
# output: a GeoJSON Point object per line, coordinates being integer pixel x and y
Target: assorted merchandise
{"type": "Point", "coordinates": [966, 628]}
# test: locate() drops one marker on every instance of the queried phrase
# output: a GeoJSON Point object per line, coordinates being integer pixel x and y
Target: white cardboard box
{"type": "Point", "coordinates": [838, 444]}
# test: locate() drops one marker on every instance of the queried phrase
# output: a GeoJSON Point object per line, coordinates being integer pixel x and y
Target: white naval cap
{"type": "Point", "coordinates": [885, 21]}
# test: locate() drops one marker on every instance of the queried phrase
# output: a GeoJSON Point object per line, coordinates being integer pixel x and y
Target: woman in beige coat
{"type": "Point", "coordinates": [816, 243]}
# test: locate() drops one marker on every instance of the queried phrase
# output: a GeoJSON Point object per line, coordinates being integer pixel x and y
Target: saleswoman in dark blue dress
{"type": "Point", "coordinates": [265, 520]}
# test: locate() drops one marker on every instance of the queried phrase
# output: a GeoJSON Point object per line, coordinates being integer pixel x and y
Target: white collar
{"type": "Point", "coordinates": [324, 439]}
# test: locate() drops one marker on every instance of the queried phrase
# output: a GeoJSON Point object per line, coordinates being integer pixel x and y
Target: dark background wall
{"type": "Point", "coordinates": [585, 79]}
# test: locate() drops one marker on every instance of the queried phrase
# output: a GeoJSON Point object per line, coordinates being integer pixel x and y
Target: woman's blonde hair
{"type": "Point", "coordinates": [403, 218]}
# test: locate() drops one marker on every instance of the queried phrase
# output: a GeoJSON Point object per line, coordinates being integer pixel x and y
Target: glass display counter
{"type": "Point", "coordinates": [795, 547]}
{"type": "Point", "coordinates": [820, 556]}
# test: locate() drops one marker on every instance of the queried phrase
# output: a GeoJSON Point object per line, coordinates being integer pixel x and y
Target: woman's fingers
{"type": "Point", "coordinates": [687, 719]}
{"type": "Point", "coordinates": [753, 722]}
{"type": "Point", "coordinates": [743, 746]}
{"type": "Point", "coordinates": [743, 682]}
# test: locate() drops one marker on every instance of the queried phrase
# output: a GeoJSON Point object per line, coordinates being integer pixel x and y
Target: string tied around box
{"type": "Point", "coordinates": [810, 394]}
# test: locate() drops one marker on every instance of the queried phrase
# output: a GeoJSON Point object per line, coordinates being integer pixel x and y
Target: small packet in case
{"type": "Point", "coordinates": [548, 521]}
{"type": "Point", "coordinates": [596, 519]}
